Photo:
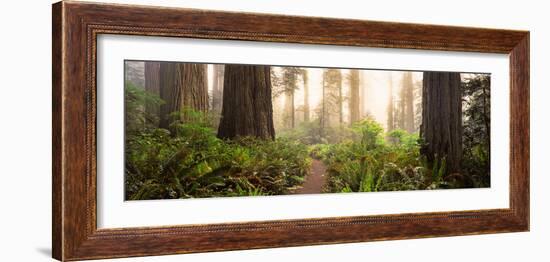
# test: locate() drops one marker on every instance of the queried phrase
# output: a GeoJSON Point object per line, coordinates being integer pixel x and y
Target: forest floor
{"type": "Point", "coordinates": [315, 180]}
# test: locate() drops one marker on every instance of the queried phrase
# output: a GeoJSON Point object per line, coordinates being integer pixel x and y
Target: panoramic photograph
{"type": "Point", "coordinates": [195, 130]}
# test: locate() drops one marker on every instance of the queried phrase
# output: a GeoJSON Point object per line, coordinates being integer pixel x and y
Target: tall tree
{"type": "Point", "coordinates": [363, 97]}
{"type": "Point", "coordinates": [417, 90]}
{"type": "Point", "coordinates": [390, 125]}
{"type": "Point", "coordinates": [182, 86]}
{"type": "Point", "coordinates": [441, 127]}
{"type": "Point", "coordinates": [290, 84]}
{"type": "Point", "coordinates": [322, 115]}
{"type": "Point", "coordinates": [340, 99]}
{"type": "Point", "coordinates": [152, 86]}
{"type": "Point", "coordinates": [306, 94]}
{"type": "Point", "coordinates": [247, 108]}
{"type": "Point", "coordinates": [217, 88]}
{"type": "Point", "coordinates": [476, 141]}
{"type": "Point", "coordinates": [333, 97]}
{"type": "Point", "coordinates": [354, 104]}
{"type": "Point", "coordinates": [134, 73]}
{"type": "Point", "coordinates": [407, 102]}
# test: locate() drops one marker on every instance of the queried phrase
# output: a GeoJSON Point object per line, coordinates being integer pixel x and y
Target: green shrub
{"type": "Point", "coordinates": [193, 162]}
{"type": "Point", "coordinates": [369, 163]}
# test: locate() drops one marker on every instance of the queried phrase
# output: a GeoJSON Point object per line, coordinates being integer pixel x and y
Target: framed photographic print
{"type": "Point", "coordinates": [181, 130]}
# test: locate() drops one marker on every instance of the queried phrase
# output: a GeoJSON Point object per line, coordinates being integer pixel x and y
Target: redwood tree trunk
{"type": "Point", "coordinates": [247, 106]}
{"type": "Point", "coordinates": [441, 127]}
{"type": "Point", "coordinates": [183, 86]}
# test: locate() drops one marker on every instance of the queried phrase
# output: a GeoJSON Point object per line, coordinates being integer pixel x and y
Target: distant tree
{"type": "Point", "coordinates": [363, 105]}
{"type": "Point", "coordinates": [477, 108]}
{"type": "Point", "coordinates": [333, 97]}
{"type": "Point", "coordinates": [354, 104]}
{"type": "Point", "coordinates": [322, 114]}
{"type": "Point", "coordinates": [417, 89]}
{"type": "Point", "coordinates": [399, 113]}
{"type": "Point", "coordinates": [285, 82]}
{"type": "Point", "coordinates": [247, 108]}
{"type": "Point", "coordinates": [390, 125]}
{"type": "Point", "coordinates": [134, 73]}
{"type": "Point", "coordinates": [305, 80]}
{"type": "Point", "coordinates": [290, 85]}
{"type": "Point", "coordinates": [407, 103]}
{"type": "Point", "coordinates": [152, 86]}
{"type": "Point", "coordinates": [217, 88]}
{"type": "Point", "coordinates": [340, 100]}
{"type": "Point", "coordinates": [441, 128]}
{"type": "Point", "coordinates": [182, 85]}
{"type": "Point", "coordinates": [476, 97]}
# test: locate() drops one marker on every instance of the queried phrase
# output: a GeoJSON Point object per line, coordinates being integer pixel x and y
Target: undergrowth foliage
{"type": "Point", "coordinates": [192, 162]}
{"type": "Point", "coordinates": [370, 161]}
{"type": "Point", "coordinates": [161, 166]}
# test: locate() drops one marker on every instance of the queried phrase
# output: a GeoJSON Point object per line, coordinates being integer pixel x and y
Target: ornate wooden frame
{"type": "Point", "coordinates": [76, 26]}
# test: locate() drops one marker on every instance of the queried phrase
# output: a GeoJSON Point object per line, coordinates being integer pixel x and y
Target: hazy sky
{"type": "Point", "coordinates": [376, 82]}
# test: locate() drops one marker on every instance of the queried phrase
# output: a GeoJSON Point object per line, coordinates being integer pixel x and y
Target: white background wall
{"type": "Point", "coordinates": [25, 136]}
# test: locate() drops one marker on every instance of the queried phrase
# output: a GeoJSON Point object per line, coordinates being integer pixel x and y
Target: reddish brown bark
{"type": "Point", "coordinates": [182, 86]}
{"type": "Point", "coordinates": [247, 106]}
{"type": "Point", "coordinates": [441, 127]}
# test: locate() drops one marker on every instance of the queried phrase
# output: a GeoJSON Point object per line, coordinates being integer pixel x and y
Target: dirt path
{"type": "Point", "coordinates": [315, 180]}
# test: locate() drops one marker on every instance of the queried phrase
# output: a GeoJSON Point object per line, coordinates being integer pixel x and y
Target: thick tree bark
{"type": "Point", "coordinates": [183, 86]}
{"type": "Point", "coordinates": [441, 127]}
{"type": "Point", "coordinates": [247, 106]}
{"type": "Point", "coordinates": [354, 104]}
{"type": "Point", "coordinates": [152, 86]}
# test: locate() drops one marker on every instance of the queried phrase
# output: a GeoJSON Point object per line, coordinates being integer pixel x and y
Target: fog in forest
{"type": "Point", "coordinates": [375, 87]}
{"type": "Point", "coordinates": [214, 130]}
